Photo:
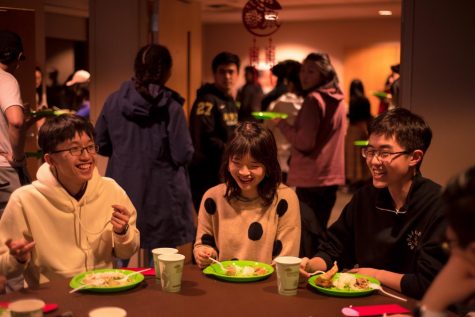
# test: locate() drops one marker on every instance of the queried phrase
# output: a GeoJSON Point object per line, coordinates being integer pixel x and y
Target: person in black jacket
{"type": "Point", "coordinates": [392, 229]}
{"type": "Point", "coordinates": [213, 118]}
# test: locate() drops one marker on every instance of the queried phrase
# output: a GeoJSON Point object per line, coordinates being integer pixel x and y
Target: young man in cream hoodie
{"type": "Point", "coordinates": [70, 220]}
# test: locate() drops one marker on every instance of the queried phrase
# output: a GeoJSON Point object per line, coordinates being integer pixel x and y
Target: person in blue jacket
{"type": "Point", "coordinates": [142, 129]}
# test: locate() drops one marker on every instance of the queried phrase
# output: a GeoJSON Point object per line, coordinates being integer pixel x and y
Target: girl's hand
{"type": "Point", "coordinates": [120, 219]}
{"type": "Point", "coordinates": [202, 256]}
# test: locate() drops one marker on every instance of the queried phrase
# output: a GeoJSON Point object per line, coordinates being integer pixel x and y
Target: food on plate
{"type": "Point", "coordinates": [348, 281]}
{"type": "Point", "coordinates": [325, 279]}
{"type": "Point", "coordinates": [106, 279]}
{"type": "Point", "coordinates": [244, 271]}
{"type": "Point", "coordinates": [344, 281]}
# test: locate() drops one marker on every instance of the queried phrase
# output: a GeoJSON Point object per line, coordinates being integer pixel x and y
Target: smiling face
{"type": "Point", "coordinates": [73, 172]}
{"type": "Point", "coordinates": [225, 77]}
{"type": "Point", "coordinates": [310, 76]}
{"type": "Point", "coordinates": [395, 171]}
{"type": "Point", "coordinates": [247, 173]}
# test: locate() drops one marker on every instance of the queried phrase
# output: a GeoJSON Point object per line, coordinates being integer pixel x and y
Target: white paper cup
{"type": "Point", "coordinates": [158, 251]}
{"type": "Point", "coordinates": [108, 312]}
{"type": "Point", "coordinates": [171, 268]}
{"type": "Point", "coordinates": [26, 308]}
{"type": "Point", "coordinates": [287, 268]}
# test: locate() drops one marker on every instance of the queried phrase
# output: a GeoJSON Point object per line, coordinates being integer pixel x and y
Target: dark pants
{"type": "Point", "coordinates": [321, 201]}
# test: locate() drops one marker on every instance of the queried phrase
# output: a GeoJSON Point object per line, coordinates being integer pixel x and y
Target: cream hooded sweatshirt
{"type": "Point", "coordinates": [71, 236]}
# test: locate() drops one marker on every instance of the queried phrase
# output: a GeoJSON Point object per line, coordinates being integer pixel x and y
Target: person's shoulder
{"type": "Point", "coordinates": [287, 193]}
{"type": "Point", "coordinates": [175, 97]}
{"type": "Point", "coordinates": [426, 187]}
{"type": "Point", "coordinates": [217, 191]}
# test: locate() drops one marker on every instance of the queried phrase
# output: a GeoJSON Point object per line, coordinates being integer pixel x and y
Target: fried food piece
{"type": "Point", "coordinates": [328, 275]}
{"type": "Point", "coordinates": [323, 283]}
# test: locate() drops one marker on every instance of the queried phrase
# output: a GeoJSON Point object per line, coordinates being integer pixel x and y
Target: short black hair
{"type": "Point", "coordinates": [153, 64]}
{"type": "Point", "coordinates": [61, 128]}
{"type": "Point", "coordinates": [459, 202]}
{"type": "Point", "coordinates": [251, 137]}
{"type": "Point", "coordinates": [10, 47]}
{"type": "Point", "coordinates": [225, 58]}
{"type": "Point", "coordinates": [409, 129]}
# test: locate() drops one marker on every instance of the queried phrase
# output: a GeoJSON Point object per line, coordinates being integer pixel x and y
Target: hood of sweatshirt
{"type": "Point", "coordinates": [211, 89]}
{"type": "Point", "coordinates": [47, 184]}
{"type": "Point", "coordinates": [331, 93]}
{"type": "Point", "coordinates": [136, 108]}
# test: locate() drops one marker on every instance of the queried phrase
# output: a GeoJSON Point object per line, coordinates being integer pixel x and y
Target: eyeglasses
{"type": "Point", "coordinates": [369, 153]}
{"type": "Point", "coordinates": [77, 150]}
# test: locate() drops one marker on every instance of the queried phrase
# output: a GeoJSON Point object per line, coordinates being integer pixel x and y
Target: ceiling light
{"type": "Point", "coordinates": [385, 12]}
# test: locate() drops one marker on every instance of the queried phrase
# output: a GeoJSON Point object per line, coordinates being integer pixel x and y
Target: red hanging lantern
{"type": "Point", "coordinates": [260, 17]}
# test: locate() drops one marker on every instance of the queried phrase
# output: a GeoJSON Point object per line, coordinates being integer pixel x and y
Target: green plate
{"type": "Point", "coordinates": [343, 292]}
{"type": "Point", "coordinates": [360, 143]}
{"type": "Point", "coordinates": [215, 270]}
{"type": "Point", "coordinates": [135, 280]}
{"type": "Point", "coordinates": [266, 115]}
{"type": "Point", "coordinates": [49, 113]}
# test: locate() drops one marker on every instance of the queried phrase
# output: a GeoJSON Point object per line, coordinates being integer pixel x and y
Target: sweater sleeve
{"type": "Point", "coordinates": [303, 134]}
{"type": "Point", "coordinates": [181, 147]}
{"type": "Point", "coordinates": [127, 244]}
{"type": "Point", "coordinates": [289, 226]}
{"type": "Point", "coordinates": [13, 226]}
{"type": "Point", "coordinates": [431, 258]}
{"type": "Point", "coordinates": [205, 235]}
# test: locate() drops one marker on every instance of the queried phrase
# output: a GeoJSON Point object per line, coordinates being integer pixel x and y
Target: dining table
{"type": "Point", "coordinates": [202, 295]}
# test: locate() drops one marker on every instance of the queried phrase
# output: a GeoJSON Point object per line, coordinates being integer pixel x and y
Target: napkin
{"type": "Point", "coordinates": [373, 310]}
{"type": "Point", "coordinates": [150, 272]}
{"type": "Point", "coordinates": [48, 307]}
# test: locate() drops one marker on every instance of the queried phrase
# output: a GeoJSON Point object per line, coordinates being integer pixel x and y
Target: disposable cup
{"type": "Point", "coordinates": [171, 268]}
{"type": "Point", "coordinates": [287, 268]}
{"type": "Point", "coordinates": [108, 312]}
{"type": "Point", "coordinates": [26, 308]}
{"type": "Point", "coordinates": [158, 251]}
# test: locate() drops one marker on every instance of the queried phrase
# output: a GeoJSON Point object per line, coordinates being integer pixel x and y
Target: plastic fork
{"type": "Point", "coordinates": [379, 288]}
{"type": "Point", "coordinates": [123, 279]}
{"type": "Point", "coordinates": [217, 262]}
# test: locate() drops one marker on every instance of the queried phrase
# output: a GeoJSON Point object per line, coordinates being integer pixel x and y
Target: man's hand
{"type": "Point", "coordinates": [20, 249]}
{"type": "Point", "coordinates": [367, 271]}
{"type": "Point", "coordinates": [120, 219]}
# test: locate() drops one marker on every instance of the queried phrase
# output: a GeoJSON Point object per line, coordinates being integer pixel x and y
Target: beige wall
{"type": "Point", "coordinates": [357, 41]}
{"type": "Point", "coordinates": [438, 80]}
{"type": "Point", "coordinates": [180, 30]}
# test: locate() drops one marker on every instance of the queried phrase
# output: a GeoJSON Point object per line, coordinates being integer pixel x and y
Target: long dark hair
{"type": "Point", "coordinates": [327, 71]}
{"type": "Point", "coordinates": [251, 137]}
{"type": "Point", "coordinates": [152, 67]}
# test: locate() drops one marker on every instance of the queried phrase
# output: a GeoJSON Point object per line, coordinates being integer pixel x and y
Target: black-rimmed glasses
{"type": "Point", "coordinates": [369, 153]}
{"type": "Point", "coordinates": [77, 150]}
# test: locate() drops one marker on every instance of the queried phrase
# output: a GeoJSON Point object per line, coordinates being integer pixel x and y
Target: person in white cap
{"type": "Point", "coordinates": [79, 92]}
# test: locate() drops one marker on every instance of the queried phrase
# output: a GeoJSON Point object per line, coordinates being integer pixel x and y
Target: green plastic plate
{"type": "Point", "coordinates": [360, 143]}
{"type": "Point", "coordinates": [215, 270]}
{"type": "Point", "coordinates": [134, 281]}
{"type": "Point", "coordinates": [266, 115]}
{"type": "Point", "coordinates": [333, 291]}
